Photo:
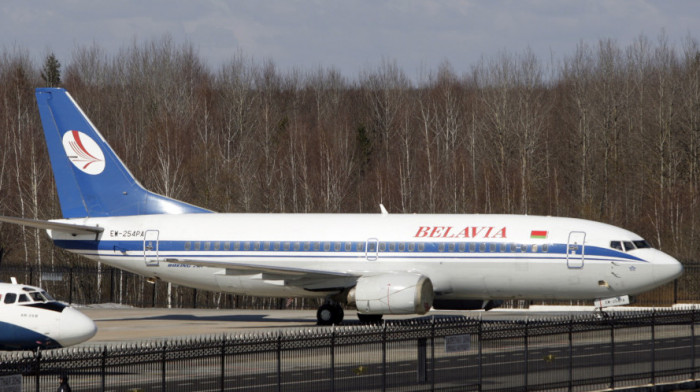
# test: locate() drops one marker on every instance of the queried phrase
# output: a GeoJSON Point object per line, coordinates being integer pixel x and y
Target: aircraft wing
{"type": "Point", "coordinates": [309, 279]}
{"type": "Point", "coordinates": [57, 226]}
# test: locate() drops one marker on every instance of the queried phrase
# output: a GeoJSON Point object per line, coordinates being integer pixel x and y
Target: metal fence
{"type": "Point", "coordinates": [93, 285]}
{"type": "Point", "coordinates": [429, 354]}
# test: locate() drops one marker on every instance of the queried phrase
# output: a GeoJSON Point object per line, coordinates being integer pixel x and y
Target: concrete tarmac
{"type": "Point", "coordinates": [116, 324]}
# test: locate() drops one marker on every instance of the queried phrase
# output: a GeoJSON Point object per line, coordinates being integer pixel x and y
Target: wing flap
{"type": "Point", "coordinates": [309, 279]}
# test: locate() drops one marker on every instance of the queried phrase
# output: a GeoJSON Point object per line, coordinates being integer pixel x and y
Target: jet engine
{"type": "Point", "coordinates": [392, 294]}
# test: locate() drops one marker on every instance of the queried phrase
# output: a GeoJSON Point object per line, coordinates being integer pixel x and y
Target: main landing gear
{"type": "Point", "coordinates": [329, 313]}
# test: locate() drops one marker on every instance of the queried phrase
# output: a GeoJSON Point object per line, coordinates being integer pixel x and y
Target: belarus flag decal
{"type": "Point", "coordinates": [538, 234]}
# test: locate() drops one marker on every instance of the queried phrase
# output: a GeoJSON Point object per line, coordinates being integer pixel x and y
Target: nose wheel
{"type": "Point", "coordinates": [329, 314]}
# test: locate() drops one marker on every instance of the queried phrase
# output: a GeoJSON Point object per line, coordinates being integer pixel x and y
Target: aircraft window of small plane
{"type": "Point", "coordinates": [482, 247]}
{"type": "Point", "coordinates": [217, 245]}
{"type": "Point", "coordinates": [336, 246]}
{"type": "Point", "coordinates": [492, 247]}
{"type": "Point", "coordinates": [257, 245]}
{"type": "Point", "coordinates": [411, 246]}
{"type": "Point", "coordinates": [23, 298]}
{"type": "Point", "coordinates": [47, 296]}
{"type": "Point", "coordinates": [503, 247]}
{"type": "Point", "coordinates": [402, 247]}
{"type": "Point", "coordinates": [307, 246]}
{"type": "Point", "coordinates": [287, 246]}
{"type": "Point", "coordinates": [275, 246]}
{"type": "Point", "coordinates": [188, 245]}
{"type": "Point", "coordinates": [227, 245]}
{"type": "Point", "coordinates": [348, 246]}
{"type": "Point", "coordinates": [266, 245]}
{"type": "Point", "coordinates": [545, 248]}
{"type": "Point", "coordinates": [642, 244]}
{"type": "Point", "coordinates": [472, 247]}
{"type": "Point", "coordinates": [462, 247]}
{"type": "Point", "coordinates": [441, 247]}
{"type": "Point", "coordinates": [197, 245]}
{"type": "Point", "coordinates": [382, 246]}
{"type": "Point", "coordinates": [326, 246]}
{"type": "Point", "coordinates": [37, 297]}
{"type": "Point", "coordinates": [317, 246]}
{"type": "Point", "coordinates": [629, 246]}
{"type": "Point", "coordinates": [451, 247]}
{"type": "Point", "coordinates": [392, 247]}
{"type": "Point", "coordinates": [207, 245]}
{"type": "Point", "coordinates": [421, 247]}
{"type": "Point", "coordinates": [616, 245]}
{"type": "Point", "coordinates": [10, 298]}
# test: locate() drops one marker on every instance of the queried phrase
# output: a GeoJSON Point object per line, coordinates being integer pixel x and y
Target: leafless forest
{"type": "Point", "coordinates": [609, 133]}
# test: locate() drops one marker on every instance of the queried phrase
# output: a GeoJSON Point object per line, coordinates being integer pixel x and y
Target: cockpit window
{"type": "Point", "coordinates": [47, 296]}
{"type": "Point", "coordinates": [23, 298]}
{"type": "Point", "coordinates": [642, 244]}
{"type": "Point", "coordinates": [616, 245]}
{"type": "Point", "coordinates": [37, 297]}
{"type": "Point", "coordinates": [629, 246]}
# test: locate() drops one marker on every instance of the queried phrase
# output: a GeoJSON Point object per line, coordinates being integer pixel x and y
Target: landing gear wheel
{"type": "Point", "coordinates": [329, 314]}
{"type": "Point", "coordinates": [369, 318]}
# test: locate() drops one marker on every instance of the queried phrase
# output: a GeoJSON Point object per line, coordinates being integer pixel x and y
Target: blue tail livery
{"type": "Point", "coordinates": [91, 180]}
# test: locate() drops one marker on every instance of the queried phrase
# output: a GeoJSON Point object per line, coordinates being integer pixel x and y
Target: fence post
{"type": "Point", "coordinates": [525, 356]}
{"type": "Point", "coordinates": [479, 333]}
{"type": "Point", "coordinates": [571, 352]}
{"type": "Point", "coordinates": [432, 353]}
{"type": "Point", "coordinates": [279, 361]}
{"type": "Point", "coordinates": [37, 367]}
{"type": "Point", "coordinates": [163, 365]}
{"type": "Point", "coordinates": [653, 347]}
{"type": "Point", "coordinates": [692, 342]}
{"type": "Point", "coordinates": [223, 360]}
{"type": "Point", "coordinates": [104, 367]}
{"type": "Point", "coordinates": [384, 356]}
{"type": "Point", "coordinates": [333, 358]}
{"type": "Point", "coordinates": [612, 351]}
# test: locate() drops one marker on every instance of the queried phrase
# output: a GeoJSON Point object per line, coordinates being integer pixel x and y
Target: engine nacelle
{"type": "Point", "coordinates": [392, 294]}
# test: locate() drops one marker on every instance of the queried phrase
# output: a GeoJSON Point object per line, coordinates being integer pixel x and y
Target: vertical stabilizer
{"type": "Point", "coordinates": [91, 180]}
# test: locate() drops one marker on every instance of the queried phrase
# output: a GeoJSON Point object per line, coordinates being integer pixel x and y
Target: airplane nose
{"type": "Point", "coordinates": [666, 268]}
{"type": "Point", "coordinates": [75, 327]}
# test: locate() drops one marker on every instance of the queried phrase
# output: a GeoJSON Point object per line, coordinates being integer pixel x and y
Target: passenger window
{"type": "Point", "coordinates": [421, 247]}
{"type": "Point", "coordinates": [392, 247]}
{"type": "Point", "coordinates": [545, 248]}
{"type": "Point", "coordinates": [492, 247]}
{"type": "Point", "coordinates": [472, 247]}
{"type": "Point", "coordinates": [246, 246]}
{"type": "Point", "coordinates": [287, 246]}
{"type": "Point", "coordinates": [307, 246]}
{"type": "Point", "coordinates": [382, 246]}
{"type": "Point", "coordinates": [441, 247]}
{"type": "Point", "coordinates": [217, 245]}
{"type": "Point", "coordinates": [616, 245]}
{"type": "Point", "coordinates": [10, 298]}
{"type": "Point", "coordinates": [534, 248]}
{"type": "Point", "coordinates": [482, 247]}
{"type": "Point", "coordinates": [451, 247]}
{"type": "Point", "coordinates": [411, 246]}
{"type": "Point", "coordinates": [462, 247]}
{"type": "Point", "coordinates": [276, 245]}
{"type": "Point", "coordinates": [227, 246]}
{"type": "Point", "coordinates": [207, 245]}
{"type": "Point", "coordinates": [317, 246]}
{"type": "Point", "coordinates": [326, 246]}
{"type": "Point", "coordinates": [336, 246]}
{"type": "Point", "coordinates": [188, 245]}
{"type": "Point", "coordinates": [297, 246]}
{"type": "Point", "coordinates": [197, 245]}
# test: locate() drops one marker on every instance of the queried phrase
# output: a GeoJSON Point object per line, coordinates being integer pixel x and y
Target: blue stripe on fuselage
{"type": "Point", "coordinates": [293, 249]}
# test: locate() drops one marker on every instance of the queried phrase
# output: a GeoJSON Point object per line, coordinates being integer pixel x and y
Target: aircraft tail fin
{"type": "Point", "coordinates": [91, 180]}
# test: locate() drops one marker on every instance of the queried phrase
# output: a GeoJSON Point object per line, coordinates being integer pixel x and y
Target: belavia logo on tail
{"type": "Point", "coordinates": [85, 154]}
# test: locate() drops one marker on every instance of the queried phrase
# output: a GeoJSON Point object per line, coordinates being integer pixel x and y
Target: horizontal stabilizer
{"type": "Point", "coordinates": [56, 226]}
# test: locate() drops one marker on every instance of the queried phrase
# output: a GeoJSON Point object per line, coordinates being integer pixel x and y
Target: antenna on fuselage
{"type": "Point", "coordinates": [384, 211]}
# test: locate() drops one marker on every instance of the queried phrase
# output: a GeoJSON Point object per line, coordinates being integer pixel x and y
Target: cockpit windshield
{"type": "Point", "coordinates": [627, 246]}
{"type": "Point", "coordinates": [27, 296]}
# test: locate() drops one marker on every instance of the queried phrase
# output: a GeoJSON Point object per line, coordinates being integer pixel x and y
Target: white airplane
{"type": "Point", "coordinates": [30, 318]}
{"type": "Point", "coordinates": [381, 263]}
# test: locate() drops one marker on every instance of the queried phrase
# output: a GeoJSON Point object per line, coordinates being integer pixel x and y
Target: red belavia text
{"type": "Point", "coordinates": [466, 232]}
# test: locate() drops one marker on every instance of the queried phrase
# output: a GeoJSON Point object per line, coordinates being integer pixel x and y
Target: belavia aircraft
{"type": "Point", "coordinates": [381, 263]}
{"type": "Point", "coordinates": [30, 318]}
